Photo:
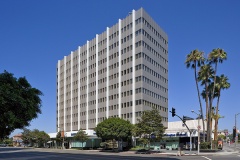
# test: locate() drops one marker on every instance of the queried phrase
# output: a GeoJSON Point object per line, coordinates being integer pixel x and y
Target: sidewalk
{"type": "Point", "coordinates": [226, 150]}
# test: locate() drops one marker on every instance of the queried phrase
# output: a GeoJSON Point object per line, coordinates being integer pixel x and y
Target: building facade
{"type": "Point", "coordinates": [119, 73]}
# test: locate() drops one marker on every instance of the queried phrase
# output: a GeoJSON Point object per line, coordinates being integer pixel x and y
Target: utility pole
{"type": "Point", "coordinates": [184, 122]}
{"type": "Point", "coordinates": [62, 135]}
{"type": "Point", "coordinates": [236, 136]}
{"type": "Point", "coordinates": [199, 115]}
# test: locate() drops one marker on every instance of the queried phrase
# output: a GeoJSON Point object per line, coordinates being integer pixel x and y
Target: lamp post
{"type": "Point", "coordinates": [199, 115]}
{"type": "Point", "coordinates": [236, 136]}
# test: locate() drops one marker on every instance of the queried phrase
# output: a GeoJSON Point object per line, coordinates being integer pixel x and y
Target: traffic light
{"type": "Point", "coordinates": [234, 133]}
{"type": "Point", "coordinates": [173, 112]}
{"type": "Point", "coordinates": [184, 119]}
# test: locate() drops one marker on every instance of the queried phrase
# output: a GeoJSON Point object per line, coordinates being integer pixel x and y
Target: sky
{"type": "Point", "coordinates": [34, 35]}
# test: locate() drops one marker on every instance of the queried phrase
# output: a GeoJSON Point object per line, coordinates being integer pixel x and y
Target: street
{"type": "Point", "coordinates": [7, 153]}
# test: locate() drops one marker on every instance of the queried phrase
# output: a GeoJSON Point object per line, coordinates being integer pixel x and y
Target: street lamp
{"type": "Point", "coordinates": [199, 115]}
{"type": "Point", "coordinates": [236, 136]}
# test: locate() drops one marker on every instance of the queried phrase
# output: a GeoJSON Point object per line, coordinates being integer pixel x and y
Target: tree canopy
{"type": "Point", "coordinates": [149, 126]}
{"type": "Point", "coordinates": [81, 136]}
{"type": "Point", "coordinates": [19, 103]}
{"type": "Point", "coordinates": [34, 136]}
{"type": "Point", "coordinates": [114, 128]}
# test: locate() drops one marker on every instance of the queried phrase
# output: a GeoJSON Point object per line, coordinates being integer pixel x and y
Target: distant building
{"type": "Point", "coordinates": [17, 140]}
{"type": "Point", "coordinates": [119, 73]}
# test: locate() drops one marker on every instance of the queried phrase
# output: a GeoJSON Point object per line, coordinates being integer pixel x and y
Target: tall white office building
{"type": "Point", "coordinates": [119, 73]}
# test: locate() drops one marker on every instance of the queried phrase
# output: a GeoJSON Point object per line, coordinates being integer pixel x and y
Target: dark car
{"type": "Point", "coordinates": [143, 151]}
{"type": "Point", "coordinates": [3, 145]}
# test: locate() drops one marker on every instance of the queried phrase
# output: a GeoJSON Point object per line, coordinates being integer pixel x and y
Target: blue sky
{"type": "Point", "coordinates": [34, 35]}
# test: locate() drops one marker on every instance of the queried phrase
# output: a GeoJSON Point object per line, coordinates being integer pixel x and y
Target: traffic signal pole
{"type": "Point", "coordinates": [184, 122]}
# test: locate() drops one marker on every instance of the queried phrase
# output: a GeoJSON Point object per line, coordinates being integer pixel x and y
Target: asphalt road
{"type": "Point", "coordinates": [56, 154]}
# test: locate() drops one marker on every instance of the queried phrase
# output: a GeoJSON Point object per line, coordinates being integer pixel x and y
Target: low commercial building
{"type": "Point", "coordinates": [17, 140]}
{"type": "Point", "coordinates": [177, 133]}
{"type": "Point", "coordinates": [69, 142]}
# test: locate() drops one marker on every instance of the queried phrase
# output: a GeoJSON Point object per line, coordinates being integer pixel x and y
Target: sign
{"type": "Point", "coordinates": [199, 127]}
{"type": "Point", "coordinates": [62, 134]}
{"type": "Point", "coordinates": [153, 136]}
{"type": "Point", "coordinates": [73, 134]}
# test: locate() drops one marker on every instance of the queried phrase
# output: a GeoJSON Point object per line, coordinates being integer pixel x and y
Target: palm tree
{"type": "Point", "coordinates": [204, 75]}
{"type": "Point", "coordinates": [196, 59]}
{"type": "Point", "coordinates": [214, 57]}
{"type": "Point", "coordinates": [221, 84]}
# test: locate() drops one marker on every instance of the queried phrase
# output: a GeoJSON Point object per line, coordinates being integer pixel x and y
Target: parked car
{"type": "Point", "coordinates": [3, 145]}
{"type": "Point", "coordinates": [143, 151]}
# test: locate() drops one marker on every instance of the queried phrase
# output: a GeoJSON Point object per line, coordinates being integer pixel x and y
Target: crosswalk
{"type": "Point", "coordinates": [207, 158]}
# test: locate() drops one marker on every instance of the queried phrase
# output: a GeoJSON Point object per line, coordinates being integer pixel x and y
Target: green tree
{"type": "Point", "coordinates": [26, 136]}
{"type": "Point", "coordinates": [149, 124]}
{"type": "Point", "coordinates": [42, 137]}
{"type": "Point", "coordinates": [8, 141]}
{"type": "Point", "coordinates": [114, 129]}
{"type": "Point", "coordinates": [35, 136]}
{"type": "Point", "coordinates": [81, 136]}
{"type": "Point", "coordinates": [221, 137]}
{"type": "Point", "coordinates": [58, 137]}
{"type": "Point", "coordinates": [19, 103]}
{"type": "Point", "coordinates": [196, 59]}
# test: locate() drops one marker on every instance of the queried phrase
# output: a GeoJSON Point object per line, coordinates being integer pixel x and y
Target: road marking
{"type": "Point", "coordinates": [206, 158]}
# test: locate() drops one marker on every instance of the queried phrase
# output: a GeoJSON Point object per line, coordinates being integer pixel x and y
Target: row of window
{"type": "Point", "coordinates": [127, 82]}
{"type": "Point", "coordinates": [149, 70]}
{"type": "Point", "coordinates": [126, 116]}
{"type": "Point", "coordinates": [113, 76]}
{"type": "Point", "coordinates": [126, 49]}
{"type": "Point", "coordinates": [150, 93]}
{"type": "Point", "coordinates": [127, 60]}
{"type": "Point", "coordinates": [127, 93]}
{"type": "Point", "coordinates": [114, 45]}
{"type": "Point", "coordinates": [102, 80]}
{"type": "Point", "coordinates": [114, 35]}
{"type": "Point", "coordinates": [114, 86]}
{"type": "Point", "coordinates": [148, 36]}
{"type": "Point", "coordinates": [150, 82]}
{"type": "Point", "coordinates": [150, 104]}
{"type": "Point", "coordinates": [142, 20]}
{"type": "Point", "coordinates": [149, 59]}
{"type": "Point", "coordinates": [126, 39]}
{"type": "Point", "coordinates": [114, 107]}
{"type": "Point", "coordinates": [115, 65]}
{"type": "Point", "coordinates": [126, 71]}
{"type": "Point", "coordinates": [114, 55]}
{"type": "Point", "coordinates": [127, 27]}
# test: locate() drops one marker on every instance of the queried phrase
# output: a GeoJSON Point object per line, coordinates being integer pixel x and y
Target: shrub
{"type": "Point", "coordinates": [205, 145]}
